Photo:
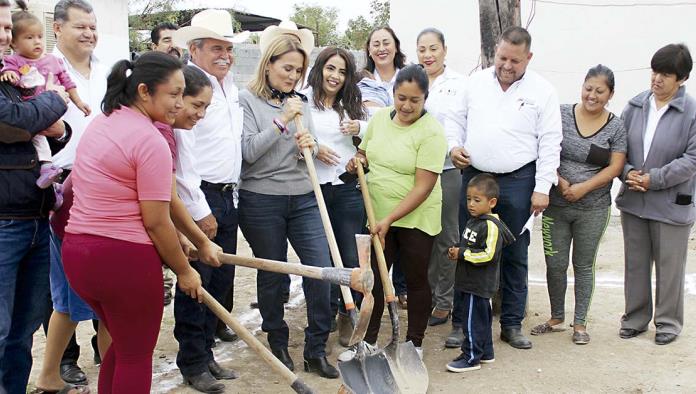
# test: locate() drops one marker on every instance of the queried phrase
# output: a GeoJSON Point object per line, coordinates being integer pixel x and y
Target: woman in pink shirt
{"type": "Point", "coordinates": [120, 229]}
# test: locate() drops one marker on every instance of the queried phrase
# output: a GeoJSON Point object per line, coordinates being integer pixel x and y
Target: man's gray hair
{"type": "Point", "coordinates": [198, 42]}
{"type": "Point", "coordinates": [60, 12]}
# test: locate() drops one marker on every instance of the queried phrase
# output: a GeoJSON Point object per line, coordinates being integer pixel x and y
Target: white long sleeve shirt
{"type": "Point", "coordinates": [507, 129]}
{"type": "Point", "coordinates": [446, 102]}
{"type": "Point", "coordinates": [91, 91]}
{"type": "Point", "coordinates": [212, 150]}
{"type": "Point", "coordinates": [328, 133]}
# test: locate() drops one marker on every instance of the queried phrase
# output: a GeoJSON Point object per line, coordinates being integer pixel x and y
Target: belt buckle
{"type": "Point", "coordinates": [228, 186]}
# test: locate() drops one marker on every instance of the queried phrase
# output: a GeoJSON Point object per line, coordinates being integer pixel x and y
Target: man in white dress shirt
{"type": "Point", "coordinates": [208, 166]}
{"type": "Point", "coordinates": [513, 131]}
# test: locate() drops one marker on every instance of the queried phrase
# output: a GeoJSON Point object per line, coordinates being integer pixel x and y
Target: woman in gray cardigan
{"type": "Point", "coordinates": [656, 200]}
{"type": "Point", "coordinates": [276, 202]}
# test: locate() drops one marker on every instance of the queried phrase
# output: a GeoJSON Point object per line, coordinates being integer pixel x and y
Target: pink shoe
{"type": "Point", "coordinates": [49, 174]}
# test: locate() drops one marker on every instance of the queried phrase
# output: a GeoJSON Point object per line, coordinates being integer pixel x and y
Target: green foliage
{"type": "Point", "coordinates": [357, 32]}
{"type": "Point", "coordinates": [379, 12]}
{"type": "Point", "coordinates": [321, 20]}
{"type": "Point", "coordinates": [359, 28]}
{"type": "Point", "coordinates": [144, 15]}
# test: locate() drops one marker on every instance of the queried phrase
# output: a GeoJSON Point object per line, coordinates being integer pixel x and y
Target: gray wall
{"type": "Point", "coordinates": [247, 56]}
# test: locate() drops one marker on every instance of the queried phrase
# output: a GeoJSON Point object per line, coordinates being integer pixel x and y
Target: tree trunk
{"type": "Point", "coordinates": [495, 16]}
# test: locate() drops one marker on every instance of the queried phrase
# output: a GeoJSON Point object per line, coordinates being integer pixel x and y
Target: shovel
{"type": "Point", "coordinates": [399, 361]}
{"type": "Point", "coordinates": [359, 323]}
{"type": "Point", "coordinates": [297, 384]}
{"type": "Point", "coordinates": [353, 372]}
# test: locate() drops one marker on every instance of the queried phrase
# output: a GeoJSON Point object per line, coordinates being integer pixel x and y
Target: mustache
{"type": "Point", "coordinates": [222, 62]}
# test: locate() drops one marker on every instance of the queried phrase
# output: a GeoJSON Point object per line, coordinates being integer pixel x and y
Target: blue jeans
{"type": "Point", "coordinates": [65, 300]}
{"type": "Point", "coordinates": [24, 296]}
{"type": "Point", "coordinates": [347, 213]}
{"type": "Point", "coordinates": [194, 323]}
{"type": "Point", "coordinates": [514, 205]}
{"type": "Point", "coordinates": [268, 222]}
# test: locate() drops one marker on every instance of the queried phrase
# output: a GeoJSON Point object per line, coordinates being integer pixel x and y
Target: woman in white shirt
{"type": "Point", "coordinates": [337, 111]}
{"type": "Point", "coordinates": [445, 103]}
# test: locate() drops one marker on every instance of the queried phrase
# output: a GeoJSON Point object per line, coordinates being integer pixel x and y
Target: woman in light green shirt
{"type": "Point", "coordinates": [405, 147]}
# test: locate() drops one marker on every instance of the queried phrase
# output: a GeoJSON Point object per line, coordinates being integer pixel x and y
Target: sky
{"type": "Point", "coordinates": [282, 9]}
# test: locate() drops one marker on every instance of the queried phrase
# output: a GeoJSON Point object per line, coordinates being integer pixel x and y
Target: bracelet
{"type": "Point", "coordinates": [282, 129]}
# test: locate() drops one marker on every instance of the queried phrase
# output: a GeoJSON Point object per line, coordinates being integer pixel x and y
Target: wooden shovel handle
{"type": "Point", "coordinates": [253, 343]}
{"type": "Point", "coordinates": [376, 243]}
{"type": "Point", "coordinates": [323, 211]}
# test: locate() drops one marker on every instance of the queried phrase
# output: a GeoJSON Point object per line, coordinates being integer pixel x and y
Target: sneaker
{"type": "Point", "coordinates": [353, 350]}
{"type": "Point", "coordinates": [419, 350]}
{"type": "Point", "coordinates": [487, 360]}
{"type": "Point", "coordinates": [460, 364]}
{"type": "Point", "coordinates": [48, 175]}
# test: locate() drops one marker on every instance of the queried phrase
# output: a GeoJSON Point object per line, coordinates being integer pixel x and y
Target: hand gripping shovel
{"type": "Point", "coordinates": [399, 360]}
{"type": "Point", "coordinates": [359, 324]}
{"type": "Point", "coordinates": [297, 384]}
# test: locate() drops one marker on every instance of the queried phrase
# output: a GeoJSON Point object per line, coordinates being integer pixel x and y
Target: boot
{"type": "Point", "coordinates": [345, 329]}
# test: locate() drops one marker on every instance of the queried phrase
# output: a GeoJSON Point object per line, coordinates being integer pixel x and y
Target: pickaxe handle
{"type": "Point", "coordinates": [295, 383]}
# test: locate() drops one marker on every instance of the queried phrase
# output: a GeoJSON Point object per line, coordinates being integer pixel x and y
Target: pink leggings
{"type": "Point", "coordinates": [122, 282]}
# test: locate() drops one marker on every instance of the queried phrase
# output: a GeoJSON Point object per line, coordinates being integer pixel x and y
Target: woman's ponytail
{"type": "Point", "coordinates": [150, 69]}
{"type": "Point", "coordinates": [117, 83]}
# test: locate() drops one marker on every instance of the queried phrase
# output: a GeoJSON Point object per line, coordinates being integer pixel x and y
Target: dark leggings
{"type": "Point", "coordinates": [412, 246]}
{"type": "Point", "coordinates": [122, 282]}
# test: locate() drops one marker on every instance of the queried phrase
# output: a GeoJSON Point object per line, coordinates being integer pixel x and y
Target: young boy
{"type": "Point", "coordinates": [477, 275]}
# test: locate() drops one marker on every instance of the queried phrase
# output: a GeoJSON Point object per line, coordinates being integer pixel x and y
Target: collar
{"type": "Point", "coordinates": [211, 77]}
{"type": "Point", "coordinates": [495, 76]}
{"type": "Point", "coordinates": [678, 101]}
{"type": "Point", "coordinates": [446, 75]}
{"type": "Point", "coordinates": [378, 77]}
{"type": "Point", "coordinates": [93, 59]}
{"type": "Point", "coordinates": [277, 94]}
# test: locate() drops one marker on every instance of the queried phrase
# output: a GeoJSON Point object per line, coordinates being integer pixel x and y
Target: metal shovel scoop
{"type": "Point", "coordinates": [396, 368]}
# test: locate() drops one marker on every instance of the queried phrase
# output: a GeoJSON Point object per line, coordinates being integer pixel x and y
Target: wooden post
{"type": "Point", "coordinates": [496, 16]}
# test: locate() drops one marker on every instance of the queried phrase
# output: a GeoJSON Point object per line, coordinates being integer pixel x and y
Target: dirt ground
{"type": "Point", "coordinates": [555, 364]}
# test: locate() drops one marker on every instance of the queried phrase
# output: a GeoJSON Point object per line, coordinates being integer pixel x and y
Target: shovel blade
{"type": "Point", "coordinates": [368, 375]}
{"type": "Point", "coordinates": [409, 370]}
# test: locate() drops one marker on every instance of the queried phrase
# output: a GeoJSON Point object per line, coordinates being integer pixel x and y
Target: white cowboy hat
{"type": "Point", "coordinates": [305, 36]}
{"type": "Point", "coordinates": [212, 23]}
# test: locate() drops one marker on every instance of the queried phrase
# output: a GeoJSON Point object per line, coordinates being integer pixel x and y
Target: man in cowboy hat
{"type": "Point", "coordinates": [208, 166]}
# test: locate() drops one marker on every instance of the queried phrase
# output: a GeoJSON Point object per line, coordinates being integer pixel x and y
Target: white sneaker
{"type": "Point", "coordinates": [419, 350]}
{"type": "Point", "coordinates": [349, 353]}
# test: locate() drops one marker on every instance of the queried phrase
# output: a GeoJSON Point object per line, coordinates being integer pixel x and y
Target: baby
{"type": "Point", "coordinates": [29, 68]}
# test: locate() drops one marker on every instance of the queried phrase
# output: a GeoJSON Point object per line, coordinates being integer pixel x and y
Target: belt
{"type": "Point", "coordinates": [222, 187]}
{"type": "Point", "coordinates": [504, 174]}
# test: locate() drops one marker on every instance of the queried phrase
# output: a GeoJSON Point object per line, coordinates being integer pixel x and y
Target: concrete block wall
{"type": "Point", "coordinates": [247, 56]}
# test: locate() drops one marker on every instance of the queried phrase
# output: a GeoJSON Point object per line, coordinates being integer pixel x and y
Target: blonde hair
{"type": "Point", "coordinates": [278, 47]}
